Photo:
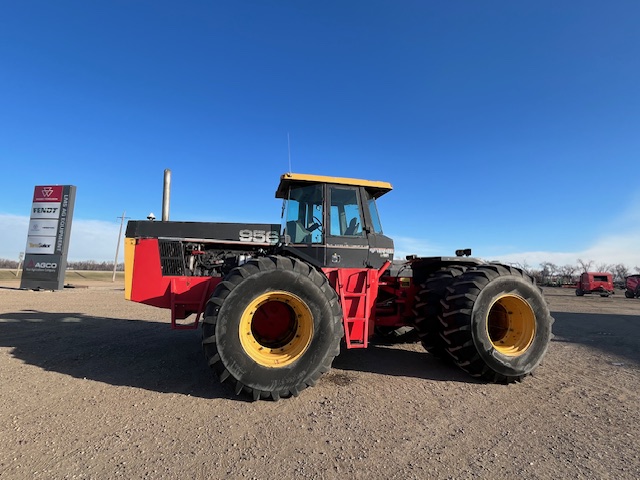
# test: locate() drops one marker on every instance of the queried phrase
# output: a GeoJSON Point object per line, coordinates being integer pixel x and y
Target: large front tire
{"type": "Point", "coordinates": [272, 327]}
{"type": "Point", "coordinates": [496, 323]}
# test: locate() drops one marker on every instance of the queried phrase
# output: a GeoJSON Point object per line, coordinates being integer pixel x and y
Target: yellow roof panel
{"type": "Point", "coordinates": [376, 188]}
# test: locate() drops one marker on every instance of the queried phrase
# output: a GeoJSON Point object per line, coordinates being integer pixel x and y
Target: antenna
{"type": "Point", "coordinates": [289, 146]}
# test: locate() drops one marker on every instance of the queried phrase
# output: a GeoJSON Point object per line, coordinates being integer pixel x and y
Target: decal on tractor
{"type": "Point", "coordinates": [259, 236]}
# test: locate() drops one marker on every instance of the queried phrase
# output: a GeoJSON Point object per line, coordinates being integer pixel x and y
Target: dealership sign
{"type": "Point", "coordinates": [48, 237]}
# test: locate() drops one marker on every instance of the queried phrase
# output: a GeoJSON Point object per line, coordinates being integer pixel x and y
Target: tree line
{"type": "Point", "coordinates": [550, 274]}
{"type": "Point", "coordinates": [547, 274]}
{"type": "Point", "coordinates": [82, 265]}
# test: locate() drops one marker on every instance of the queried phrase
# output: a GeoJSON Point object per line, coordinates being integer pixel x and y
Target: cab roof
{"type": "Point", "coordinates": [287, 180]}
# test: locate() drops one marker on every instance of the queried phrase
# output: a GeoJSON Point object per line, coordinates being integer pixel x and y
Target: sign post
{"type": "Point", "coordinates": [45, 259]}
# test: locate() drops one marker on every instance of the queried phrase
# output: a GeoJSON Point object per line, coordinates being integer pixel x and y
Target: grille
{"type": "Point", "coordinates": [171, 257]}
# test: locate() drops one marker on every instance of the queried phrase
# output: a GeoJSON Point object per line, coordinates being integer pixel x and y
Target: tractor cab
{"type": "Point", "coordinates": [333, 221]}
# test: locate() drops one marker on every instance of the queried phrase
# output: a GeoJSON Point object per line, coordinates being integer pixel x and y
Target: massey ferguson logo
{"type": "Point", "coordinates": [48, 193]}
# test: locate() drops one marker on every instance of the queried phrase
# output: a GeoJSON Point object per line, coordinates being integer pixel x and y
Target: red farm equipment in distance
{"type": "Point", "coordinates": [595, 282]}
{"type": "Point", "coordinates": [277, 302]}
{"type": "Point", "coordinates": [632, 284]}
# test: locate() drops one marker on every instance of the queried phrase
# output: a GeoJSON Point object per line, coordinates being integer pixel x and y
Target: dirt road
{"type": "Point", "coordinates": [96, 387]}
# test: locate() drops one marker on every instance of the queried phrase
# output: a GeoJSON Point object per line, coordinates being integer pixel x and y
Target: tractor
{"type": "Point", "coordinates": [277, 302]}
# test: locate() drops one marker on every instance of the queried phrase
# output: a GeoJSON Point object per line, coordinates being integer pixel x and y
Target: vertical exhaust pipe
{"type": "Point", "coordinates": [166, 192]}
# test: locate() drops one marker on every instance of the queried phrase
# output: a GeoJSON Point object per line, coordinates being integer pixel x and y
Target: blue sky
{"type": "Point", "coordinates": [512, 128]}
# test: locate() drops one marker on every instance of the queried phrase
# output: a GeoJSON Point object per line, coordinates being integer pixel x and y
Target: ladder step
{"type": "Point", "coordinates": [357, 328]}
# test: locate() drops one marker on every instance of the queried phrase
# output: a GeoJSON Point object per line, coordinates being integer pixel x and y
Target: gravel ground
{"type": "Point", "coordinates": [97, 387]}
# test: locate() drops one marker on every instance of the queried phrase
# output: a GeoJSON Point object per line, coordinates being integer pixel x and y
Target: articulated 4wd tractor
{"type": "Point", "coordinates": [277, 301]}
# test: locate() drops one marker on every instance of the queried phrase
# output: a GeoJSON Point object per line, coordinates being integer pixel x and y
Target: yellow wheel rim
{"type": "Point", "coordinates": [511, 325]}
{"type": "Point", "coordinates": [276, 328]}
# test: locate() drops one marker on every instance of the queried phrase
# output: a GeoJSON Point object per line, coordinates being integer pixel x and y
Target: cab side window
{"type": "Point", "coordinates": [346, 219]}
{"type": "Point", "coordinates": [373, 211]}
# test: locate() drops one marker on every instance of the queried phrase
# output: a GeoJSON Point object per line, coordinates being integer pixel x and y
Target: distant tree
{"type": "Point", "coordinates": [620, 272]}
{"type": "Point", "coordinates": [4, 263]}
{"type": "Point", "coordinates": [537, 274]}
{"type": "Point", "coordinates": [567, 272]}
{"type": "Point", "coordinates": [604, 267]}
{"type": "Point", "coordinates": [585, 266]}
{"type": "Point", "coordinates": [94, 266]}
{"type": "Point", "coordinates": [548, 272]}
{"type": "Point", "coordinates": [523, 266]}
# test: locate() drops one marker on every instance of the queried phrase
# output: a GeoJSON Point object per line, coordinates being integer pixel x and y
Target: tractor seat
{"type": "Point", "coordinates": [353, 227]}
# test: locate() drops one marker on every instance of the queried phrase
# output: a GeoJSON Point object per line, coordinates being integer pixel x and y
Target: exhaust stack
{"type": "Point", "coordinates": [166, 193]}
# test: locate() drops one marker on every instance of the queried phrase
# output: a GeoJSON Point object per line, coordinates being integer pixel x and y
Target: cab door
{"type": "Point", "coordinates": [346, 235]}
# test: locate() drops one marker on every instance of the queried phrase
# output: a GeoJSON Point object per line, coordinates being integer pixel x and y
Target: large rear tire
{"type": "Point", "coordinates": [272, 327]}
{"type": "Point", "coordinates": [496, 323]}
{"type": "Point", "coordinates": [428, 308]}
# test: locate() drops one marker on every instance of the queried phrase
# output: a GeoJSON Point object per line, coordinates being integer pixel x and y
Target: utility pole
{"type": "Point", "coordinates": [20, 257]}
{"type": "Point", "coordinates": [115, 262]}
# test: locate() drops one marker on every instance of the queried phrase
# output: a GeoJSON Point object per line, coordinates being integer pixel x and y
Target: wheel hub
{"type": "Point", "coordinates": [511, 325]}
{"type": "Point", "coordinates": [276, 328]}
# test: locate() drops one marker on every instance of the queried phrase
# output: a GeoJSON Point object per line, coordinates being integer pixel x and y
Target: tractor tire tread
{"type": "Point", "coordinates": [457, 326]}
{"type": "Point", "coordinates": [225, 288]}
{"type": "Point", "coordinates": [428, 308]}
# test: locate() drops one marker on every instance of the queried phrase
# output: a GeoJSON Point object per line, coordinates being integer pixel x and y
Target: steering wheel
{"type": "Point", "coordinates": [315, 225]}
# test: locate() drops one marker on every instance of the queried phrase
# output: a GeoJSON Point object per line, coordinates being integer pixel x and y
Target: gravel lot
{"type": "Point", "coordinates": [97, 387]}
